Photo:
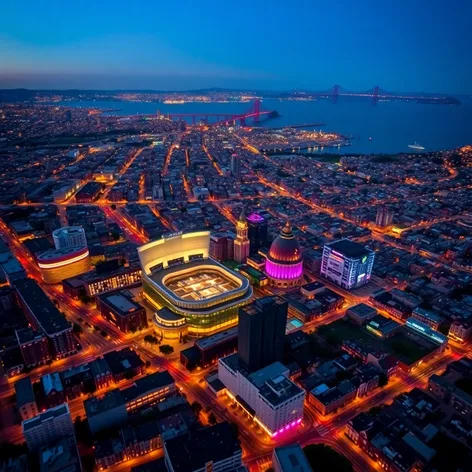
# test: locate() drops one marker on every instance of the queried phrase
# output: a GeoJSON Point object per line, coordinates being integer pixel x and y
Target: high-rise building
{"type": "Point", "coordinates": [235, 165]}
{"type": "Point", "coordinates": [257, 231]}
{"type": "Point", "coordinates": [241, 243]}
{"type": "Point", "coordinates": [262, 332]}
{"type": "Point", "coordinates": [49, 426]}
{"type": "Point", "coordinates": [254, 376]}
{"type": "Point", "coordinates": [347, 264]}
{"type": "Point", "coordinates": [384, 217]}
{"type": "Point", "coordinates": [69, 236]}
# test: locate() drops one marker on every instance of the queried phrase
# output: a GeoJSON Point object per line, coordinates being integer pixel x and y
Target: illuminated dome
{"type": "Point", "coordinates": [284, 265]}
{"type": "Point", "coordinates": [285, 247]}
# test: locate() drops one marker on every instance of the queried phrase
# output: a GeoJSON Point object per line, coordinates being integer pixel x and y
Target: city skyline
{"type": "Point", "coordinates": [403, 47]}
{"type": "Point", "coordinates": [235, 236]}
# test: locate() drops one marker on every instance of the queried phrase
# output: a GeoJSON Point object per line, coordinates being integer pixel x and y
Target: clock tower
{"type": "Point", "coordinates": [241, 243]}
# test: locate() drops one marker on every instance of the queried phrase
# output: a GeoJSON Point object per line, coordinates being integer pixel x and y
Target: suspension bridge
{"type": "Point", "coordinates": [254, 114]}
{"type": "Point", "coordinates": [257, 113]}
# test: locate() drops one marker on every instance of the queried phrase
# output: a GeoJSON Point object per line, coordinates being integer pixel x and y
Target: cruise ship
{"type": "Point", "coordinates": [416, 146]}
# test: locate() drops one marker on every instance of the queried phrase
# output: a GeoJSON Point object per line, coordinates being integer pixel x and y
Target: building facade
{"type": "Point", "coordinates": [261, 332]}
{"type": "Point", "coordinates": [257, 231]}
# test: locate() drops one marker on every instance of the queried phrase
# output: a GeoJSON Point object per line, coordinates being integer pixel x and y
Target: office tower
{"type": "Point", "coordinates": [347, 264]}
{"type": "Point", "coordinates": [384, 217]}
{"type": "Point", "coordinates": [235, 165]}
{"type": "Point", "coordinates": [241, 243]}
{"type": "Point", "coordinates": [262, 332]}
{"type": "Point", "coordinates": [257, 231]}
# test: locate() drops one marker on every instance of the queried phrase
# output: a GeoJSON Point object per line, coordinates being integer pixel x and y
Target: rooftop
{"type": "Point", "coordinates": [362, 310]}
{"type": "Point", "coordinates": [95, 406]}
{"type": "Point", "coordinates": [24, 392]}
{"type": "Point", "coordinates": [349, 248]}
{"type": "Point", "coordinates": [120, 302]}
{"type": "Point", "coordinates": [55, 412]}
{"type": "Point", "coordinates": [43, 309]}
{"type": "Point", "coordinates": [147, 384]}
{"type": "Point", "coordinates": [292, 459]}
{"type": "Point", "coordinates": [60, 457]}
{"type": "Point", "coordinates": [193, 451]}
{"type": "Point", "coordinates": [213, 340]}
{"type": "Point", "coordinates": [122, 360]}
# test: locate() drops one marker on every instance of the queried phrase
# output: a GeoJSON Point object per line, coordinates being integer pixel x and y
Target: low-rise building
{"type": "Point", "coordinates": [25, 399]}
{"type": "Point", "coordinates": [383, 327]}
{"type": "Point", "coordinates": [124, 363]}
{"type": "Point", "coordinates": [53, 391]}
{"type": "Point", "coordinates": [361, 313]}
{"type": "Point", "coordinates": [120, 309]}
{"type": "Point", "coordinates": [460, 331]}
{"type": "Point", "coordinates": [290, 459]}
{"type": "Point", "coordinates": [327, 400]}
{"type": "Point", "coordinates": [115, 406]}
{"type": "Point", "coordinates": [62, 456]}
{"type": "Point", "coordinates": [209, 349]}
{"type": "Point", "coordinates": [446, 390]}
{"type": "Point", "coordinates": [428, 317]}
{"type": "Point", "coordinates": [214, 448]}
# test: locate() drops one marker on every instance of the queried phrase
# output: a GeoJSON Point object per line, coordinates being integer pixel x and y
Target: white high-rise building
{"type": "Point", "coordinates": [69, 236]}
{"type": "Point", "coordinates": [49, 426]}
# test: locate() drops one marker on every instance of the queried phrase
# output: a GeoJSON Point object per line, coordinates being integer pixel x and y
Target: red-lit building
{"type": "Point", "coordinates": [120, 309]}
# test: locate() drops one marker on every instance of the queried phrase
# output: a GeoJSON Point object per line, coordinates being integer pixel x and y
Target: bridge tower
{"type": "Point", "coordinates": [375, 95]}
{"type": "Point", "coordinates": [335, 94]}
{"type": "Point", "coordinates": [257, 110]}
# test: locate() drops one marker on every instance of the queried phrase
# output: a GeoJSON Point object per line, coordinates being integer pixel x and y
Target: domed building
{"type": "Point", "coordinates": [284, 264]}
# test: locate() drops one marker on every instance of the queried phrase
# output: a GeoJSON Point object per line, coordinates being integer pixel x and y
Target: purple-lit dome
{"type": "Point", "coordinates": [285, 248]}
{"type": "Point", "coordinates": [284, 264]}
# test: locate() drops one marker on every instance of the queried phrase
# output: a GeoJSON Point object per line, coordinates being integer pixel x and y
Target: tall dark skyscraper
{"type": "Point", "coordinates": [257, 233]}
{"type": "Point", "coordinates": [262, 332]}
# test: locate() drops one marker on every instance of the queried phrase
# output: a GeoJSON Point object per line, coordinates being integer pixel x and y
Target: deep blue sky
{"type": "Point", "coordinates": [400, 45]}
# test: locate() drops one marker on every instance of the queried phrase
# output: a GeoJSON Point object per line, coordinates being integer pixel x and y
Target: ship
{"type": "Point", "coordinates": [416, 146]}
